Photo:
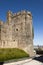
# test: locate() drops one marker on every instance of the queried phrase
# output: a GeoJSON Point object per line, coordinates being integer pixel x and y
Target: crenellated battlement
{"type": "Point", "coordinates": [11, 15]}
{"type": "Point", "coordinates": [1, 22]}
{"type": "Point", "coordinates": [22, 13]}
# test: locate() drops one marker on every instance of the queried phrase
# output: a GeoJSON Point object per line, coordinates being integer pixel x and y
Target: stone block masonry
{"type": "Point", "coordinates": [16, 32]}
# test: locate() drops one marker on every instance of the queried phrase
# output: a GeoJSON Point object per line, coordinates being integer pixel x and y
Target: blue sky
{"type": "Point", "coordinates": [34, 6]}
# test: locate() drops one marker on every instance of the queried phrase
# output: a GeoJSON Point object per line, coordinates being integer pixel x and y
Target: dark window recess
{"type": "Point", "coordinates": [3, 43]}
{"type": "Point", "coordinates": [30, 15]}
{"type": "Point", "coordinates": [25, 17]}
{"type": "Point", "coordinates": [16, 29]}
{"type": "Point", "coordinates": [14, 40]}
{"type": "Point", "coordinates": [0, 29]}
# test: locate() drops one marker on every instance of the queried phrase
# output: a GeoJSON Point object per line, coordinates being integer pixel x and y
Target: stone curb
{"type": "Point", "coordinates": [18, 62]}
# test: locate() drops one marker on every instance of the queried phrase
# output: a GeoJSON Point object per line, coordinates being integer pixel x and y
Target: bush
{"type": "Point", "coordinates": [12, 53]}
{"type": "Point", "coordinates": [39, 51]}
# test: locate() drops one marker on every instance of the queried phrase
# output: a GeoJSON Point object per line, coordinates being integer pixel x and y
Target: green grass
{"type": "Point", "coordinates": [12, 53]}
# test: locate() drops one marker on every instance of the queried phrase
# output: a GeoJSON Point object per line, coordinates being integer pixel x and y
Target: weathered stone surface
{"type": "Point", "coordinates": [17, 32]}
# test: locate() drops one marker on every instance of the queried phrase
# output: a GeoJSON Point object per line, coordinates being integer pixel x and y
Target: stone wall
{"type": "Point", "coordinates": [17, 32]}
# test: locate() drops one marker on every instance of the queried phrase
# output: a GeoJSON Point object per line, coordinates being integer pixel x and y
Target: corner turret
{"type": "Point", "coordinates": [9, 15]}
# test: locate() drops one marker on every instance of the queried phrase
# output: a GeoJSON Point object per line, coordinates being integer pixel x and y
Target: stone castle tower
{"type": "Point", "coordinates": [16, 32]}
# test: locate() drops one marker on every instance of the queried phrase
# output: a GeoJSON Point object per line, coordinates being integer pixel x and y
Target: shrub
{"type": "Point", "coordinates": [12, 53]}
{"type": "Point", "coordinates": [39, 51]}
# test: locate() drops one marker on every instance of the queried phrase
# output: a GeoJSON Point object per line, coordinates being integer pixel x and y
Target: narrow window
{"type": "Point", "coordinates": [16, 29]}
{"type": "Point", "coordinates": [4, 43]}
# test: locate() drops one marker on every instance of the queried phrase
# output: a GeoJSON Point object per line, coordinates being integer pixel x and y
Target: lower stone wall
{"type": "Point", "coordinates": [8, 44]}
{"type": "Point", "coordinates": [14, 44]}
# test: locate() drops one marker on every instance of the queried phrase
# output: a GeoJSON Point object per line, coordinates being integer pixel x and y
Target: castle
{"type": "Point", "coordinates": [16, 32]}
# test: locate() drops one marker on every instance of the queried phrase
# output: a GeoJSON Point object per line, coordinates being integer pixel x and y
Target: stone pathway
{"type": "Point", "coordinates": [25, 62]}
{"type": "Point", "coordinates": [19, 62]}
{"type": "Point", "coordinates": [33, 62]}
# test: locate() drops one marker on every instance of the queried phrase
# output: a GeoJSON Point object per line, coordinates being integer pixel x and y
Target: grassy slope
{"type": "Point", "coordinates": [12, 53]}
